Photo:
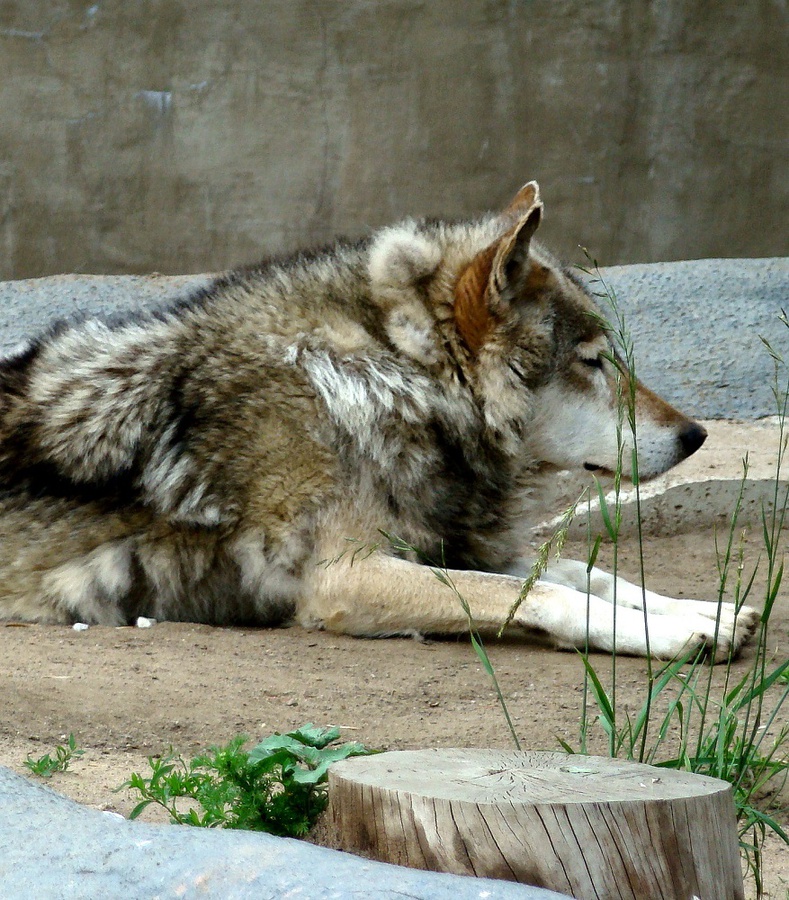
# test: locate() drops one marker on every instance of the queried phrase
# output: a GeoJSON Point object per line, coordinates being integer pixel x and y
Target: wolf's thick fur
{"type": "Point", "coordinates": [234, 459]}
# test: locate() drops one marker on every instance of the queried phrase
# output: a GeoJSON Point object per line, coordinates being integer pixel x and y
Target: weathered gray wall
{"type": "Point", "coordinates": [140, 135]}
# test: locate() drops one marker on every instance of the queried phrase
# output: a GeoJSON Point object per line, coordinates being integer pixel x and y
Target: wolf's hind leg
{"type": "Point", "coordinates": [94, 588]}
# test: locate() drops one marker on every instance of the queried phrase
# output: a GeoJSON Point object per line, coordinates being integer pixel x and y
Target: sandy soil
{"type": "Point", "coordinates": [126, 693]}
{"type": "Point", "coordinates": [129, 693]}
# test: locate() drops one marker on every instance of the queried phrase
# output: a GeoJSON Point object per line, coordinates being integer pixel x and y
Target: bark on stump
{"type": "Point", "coordinates": [590, 827]}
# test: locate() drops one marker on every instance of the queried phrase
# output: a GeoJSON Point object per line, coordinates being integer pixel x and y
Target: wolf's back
{"type": "Point", "coordinates": [168, 464]}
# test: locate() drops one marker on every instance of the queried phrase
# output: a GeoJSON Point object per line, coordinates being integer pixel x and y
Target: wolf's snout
{"type": "Point", "coordinates": [692, 437]}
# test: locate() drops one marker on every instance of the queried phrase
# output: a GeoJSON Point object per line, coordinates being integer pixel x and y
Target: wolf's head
{"type": "Point", "coordinates": [528, 338]}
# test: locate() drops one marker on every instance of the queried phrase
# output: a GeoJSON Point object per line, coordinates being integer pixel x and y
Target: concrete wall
{"type": "Point", "coordinates": [140, 135]}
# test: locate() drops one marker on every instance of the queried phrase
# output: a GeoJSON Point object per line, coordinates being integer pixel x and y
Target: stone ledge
{"type": "Point", "coordinates": [696, 325]}
{"type": "Point", "coordinates": [702, 491]}
{"type": "Point", "coordinates": [53, 847]}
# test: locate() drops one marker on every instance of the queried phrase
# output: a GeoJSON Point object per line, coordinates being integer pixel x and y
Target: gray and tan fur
{"type": "Point", "coordinates": [204, 462]}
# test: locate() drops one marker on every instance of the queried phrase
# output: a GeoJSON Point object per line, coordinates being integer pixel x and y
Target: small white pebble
{"type": "Point", "coordinates": [80, 626]}
{"type": "Point", "coordinates": [144, 622]}
{"type": "Point", "coordinates": [113, 815]}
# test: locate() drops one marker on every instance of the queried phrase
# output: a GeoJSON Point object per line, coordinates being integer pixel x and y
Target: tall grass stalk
{"type": "Point", "coordinates": [707, 725]}
{"type": "Point", "coordinates": [441, 571]}
{"type": "Point", "coordinates": [706, 728]}
{"type": "Point", "coordinates": [624, 362]}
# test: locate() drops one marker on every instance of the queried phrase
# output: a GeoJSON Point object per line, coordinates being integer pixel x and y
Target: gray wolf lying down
{"type": "Point", "coordinates": [200, 463]}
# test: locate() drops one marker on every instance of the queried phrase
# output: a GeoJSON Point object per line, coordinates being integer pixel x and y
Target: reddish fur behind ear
{"type": "Point", "coordinates": [472, 300]}
{"type": "Point", "coordinates": [472, 314]}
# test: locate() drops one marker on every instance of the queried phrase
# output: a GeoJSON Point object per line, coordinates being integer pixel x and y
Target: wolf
{"type": "Point", "coordinates": [236, 457]}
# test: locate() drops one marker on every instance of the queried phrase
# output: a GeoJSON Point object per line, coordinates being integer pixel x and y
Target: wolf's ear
{"type": "Point", "coordinates": [524, 201]}
{"type": "Point", "coordinates": [401, 258]}
{"type": "Point", "coordinates": [511, 262]}
{"type": "Point", "coordinates": [499, 272]}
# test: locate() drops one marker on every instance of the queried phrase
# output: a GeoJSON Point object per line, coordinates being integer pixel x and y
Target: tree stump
{"type": "Point", "coordinates": [590, 827]}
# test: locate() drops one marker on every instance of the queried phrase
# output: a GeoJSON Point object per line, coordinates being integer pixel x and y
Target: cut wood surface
{"type": "Point", "coordinates": [589, 827]}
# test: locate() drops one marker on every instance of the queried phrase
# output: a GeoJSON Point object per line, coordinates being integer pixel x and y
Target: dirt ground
{"type": "Point", "coordinates": [128, 693]}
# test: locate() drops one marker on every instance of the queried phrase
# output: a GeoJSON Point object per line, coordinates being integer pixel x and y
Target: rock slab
{"type": "Point", "coordinates": [696, 325]}
{"type": "Point", "coordinates": [54, 849]}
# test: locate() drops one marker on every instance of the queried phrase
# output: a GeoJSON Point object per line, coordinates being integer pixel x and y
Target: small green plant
{"type": "Point", "coordinates": [279, 786]}
{"type": "Point", "coordinates": [46, 766]}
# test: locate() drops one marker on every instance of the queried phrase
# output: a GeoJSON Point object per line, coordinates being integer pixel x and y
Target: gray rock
{"type": "Point", "coordinates": [54, 849]}
{"type": "Point", "coordinates": [695, 326]}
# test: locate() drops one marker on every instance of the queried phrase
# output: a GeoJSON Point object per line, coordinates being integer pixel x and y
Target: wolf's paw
{"type": "Point", "coordinates": [734, 631]}
{"type": "Point", "coordinates": [747, 621]}
{"type": "Point", "coordinates": [696, 632]}
{"type": "Point", "coordinates": [736, 627]}
{"type": "Point", "coordinates": [709, 609]}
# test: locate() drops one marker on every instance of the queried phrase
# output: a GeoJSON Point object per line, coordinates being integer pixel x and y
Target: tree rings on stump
{"type": "Point", "coordinates": [586, 826]}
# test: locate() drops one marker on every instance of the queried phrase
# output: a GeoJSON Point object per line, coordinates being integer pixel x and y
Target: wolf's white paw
{"type": "Point", "coordinates": [746, 624]}
{"type": "Point", "coordinates": [674, 628]}
{"type": "Point", "coordinates": [734, 630]}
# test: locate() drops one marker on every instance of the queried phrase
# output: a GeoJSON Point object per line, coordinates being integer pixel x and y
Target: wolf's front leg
{"type": "Point", "coordinates": [383, 595]}
{"type": "Point", "coordinates": [735, 626]}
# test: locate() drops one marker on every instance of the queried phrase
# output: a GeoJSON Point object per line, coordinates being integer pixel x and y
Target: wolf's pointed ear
{"type": "Point", "coordinates": [511, 263]}
{"type": "Point", "coordinates": [500, 270]}
{"type": "Point", "coordinates": [524, 201]}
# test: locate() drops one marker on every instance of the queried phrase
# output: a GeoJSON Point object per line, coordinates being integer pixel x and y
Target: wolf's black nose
{"type": "Point", "coordinates": [692, 437]}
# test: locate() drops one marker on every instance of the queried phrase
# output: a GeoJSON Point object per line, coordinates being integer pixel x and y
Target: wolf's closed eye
{"type": "Point", "coordinates": [594, 362]}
